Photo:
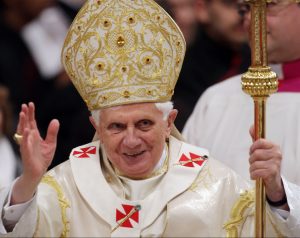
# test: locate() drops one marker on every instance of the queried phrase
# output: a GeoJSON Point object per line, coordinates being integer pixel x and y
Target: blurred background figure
{"type": "Point", "coordinates": [71, 6]}
{"type": "Point", "coordinates": [8, 159]}
{"type": "Point", "coordinates": [217, 51]}
{"type": "Point", "coordinates": [182, 11]}
{"type": "Point", "coordinates": [32, 35]}
{"type": "Point", "coordinates": [223, 114]}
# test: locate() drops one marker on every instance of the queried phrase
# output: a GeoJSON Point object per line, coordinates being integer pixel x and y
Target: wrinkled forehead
{"type": "Point", "coordinates": [140, 108]}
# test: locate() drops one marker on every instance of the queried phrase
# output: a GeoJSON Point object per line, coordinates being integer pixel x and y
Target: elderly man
{"type": "Point", "coordinates": [139, 179]}
{"type": "Point", "coordinates": [223, 114]}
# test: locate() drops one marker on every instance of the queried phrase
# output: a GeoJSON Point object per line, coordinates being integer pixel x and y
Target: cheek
{"type": "Point", "coordinates": [158, 149]}
{"type": "Point", "coordinates": [274, 37]}
{"type": "Point", "coordinates": [154, 138]}
{"type": "Point", "coordinates": [162, 131]}
{"type": "Point", "coordinates": [246, 21]}
{"type": "Point", "coordinates": [110, 142]}
{"type": "Point", "coordinates": [220, 29]}
{"type": "Point", "coordinates": [159, 139]}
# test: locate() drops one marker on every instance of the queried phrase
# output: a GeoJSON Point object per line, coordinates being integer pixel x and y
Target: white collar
{"type": "Point", "coordinates": [99, 193]}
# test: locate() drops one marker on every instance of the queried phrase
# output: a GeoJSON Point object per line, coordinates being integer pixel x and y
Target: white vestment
{"type": "Point", "coordinates": [8, 162]}
{"type": "Point", "coordinates": [223, 116]}
{"type": "Point", "coordinates": [194, 197]}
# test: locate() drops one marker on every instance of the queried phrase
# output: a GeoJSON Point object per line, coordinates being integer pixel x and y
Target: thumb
{"type": "Point", "coordinates": [52, 131]}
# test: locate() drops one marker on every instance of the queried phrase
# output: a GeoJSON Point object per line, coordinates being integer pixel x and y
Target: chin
{"type": "Point", "coordinates": [137, 176]}
{"type": "Point", "coordinates": [139, 172]}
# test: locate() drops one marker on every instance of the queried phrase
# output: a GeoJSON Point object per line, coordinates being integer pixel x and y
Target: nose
{"type": "Point", "coordinates": [131, 138]}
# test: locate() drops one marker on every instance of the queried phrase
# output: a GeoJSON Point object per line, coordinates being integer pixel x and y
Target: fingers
{"type": "Point", "coordinates": [52, 132]}
{"type": "Point", "coordinates": [263, 150]}
{"type": "Point", "coordinates": [31, 116]}
{"type": "Point", "coordinates": [264, 169]}
{"type": "Point", "coordinates": [265, 161]}
{"type": "Point", "coordinates": [261, 144]}
{"type": "Point", "coordinates": [28, 123]}
{"type": "Point", "coordinates": [22, 119]}
{"type": "Point", "coordinates": [25, 145]}
{"type": "Point", "coordinates": [264, 155]}
{"type": "Point", "coordinates": [26, 118]}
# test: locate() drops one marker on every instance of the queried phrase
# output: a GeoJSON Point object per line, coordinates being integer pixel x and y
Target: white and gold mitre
{"type": "Point", "coordinates": [123, 51]}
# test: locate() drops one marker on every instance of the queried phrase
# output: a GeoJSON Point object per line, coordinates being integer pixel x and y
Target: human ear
{"type": "Point", "coordinates": [93, 123]}
{"type": "Point", "coordinates": [98, 137]}
{"type": "Point", "coordinates": [171, 118]}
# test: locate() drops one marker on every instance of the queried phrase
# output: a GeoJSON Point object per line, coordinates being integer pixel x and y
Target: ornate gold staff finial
{"type": "Point", "coordinates": [259, 82]}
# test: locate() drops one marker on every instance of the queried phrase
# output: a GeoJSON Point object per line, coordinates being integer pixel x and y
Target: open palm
{"type": "Point", "coordinates": [37, 153]}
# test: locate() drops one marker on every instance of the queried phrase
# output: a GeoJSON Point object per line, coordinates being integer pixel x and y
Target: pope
{"type": "Point", "coordinates": [138, 178]}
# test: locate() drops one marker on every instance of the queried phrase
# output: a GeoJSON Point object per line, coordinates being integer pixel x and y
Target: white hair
{"type": "Point", "coordinates": [164, 107]}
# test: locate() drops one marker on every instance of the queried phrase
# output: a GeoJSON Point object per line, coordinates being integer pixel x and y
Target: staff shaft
{"type": "Point", "coordinates": [259, 132]}
{"type": "Point", "coordinates": [259, 82]}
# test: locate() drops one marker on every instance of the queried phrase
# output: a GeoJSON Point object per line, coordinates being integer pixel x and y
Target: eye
{"type": "Point", "coordinates": [243, 8]}
{"type": "Point", "coordinates": [144, 124]}
{"type": "Point", "coordinates": [116, 127]}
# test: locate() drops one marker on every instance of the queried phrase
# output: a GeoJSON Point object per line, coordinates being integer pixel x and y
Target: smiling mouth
{"type": "Point", "coordinates": [134, 154]}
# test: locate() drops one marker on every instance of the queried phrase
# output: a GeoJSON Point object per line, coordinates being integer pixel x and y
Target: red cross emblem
{"type": "Point", "coordinates": [194, 159]}
{"type": "Point", "coordinates": [131, 213]}
{"type": "Point", "coordinates": [84, 153]}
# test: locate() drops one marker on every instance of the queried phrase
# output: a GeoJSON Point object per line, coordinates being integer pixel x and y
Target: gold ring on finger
{"type": "Point", "coordinates": [18, 138]}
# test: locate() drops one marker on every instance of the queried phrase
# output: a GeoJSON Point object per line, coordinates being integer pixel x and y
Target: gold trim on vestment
{"type": "Point", "coordinates": [63, 202]}
{"type": "Point", "coordinates": [237, 213]}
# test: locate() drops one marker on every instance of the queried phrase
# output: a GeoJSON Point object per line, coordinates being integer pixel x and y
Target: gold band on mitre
{"type": "Point", "coordinates": [120, 52]}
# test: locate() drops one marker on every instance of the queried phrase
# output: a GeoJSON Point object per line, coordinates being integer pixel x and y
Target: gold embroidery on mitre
{"type": "Point", "coordinates": [120, 52]}
{"type": "Point", "coordinates": [237, 215]}
{"type": "Point", "coordinates": [63, 202]}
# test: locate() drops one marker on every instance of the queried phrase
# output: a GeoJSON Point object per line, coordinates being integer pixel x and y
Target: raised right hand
{"type": "Point", "coordinates": [36, 153]}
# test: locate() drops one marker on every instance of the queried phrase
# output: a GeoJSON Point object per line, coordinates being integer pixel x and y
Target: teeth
{"type": "Point", "coordinates": [134, 154]}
